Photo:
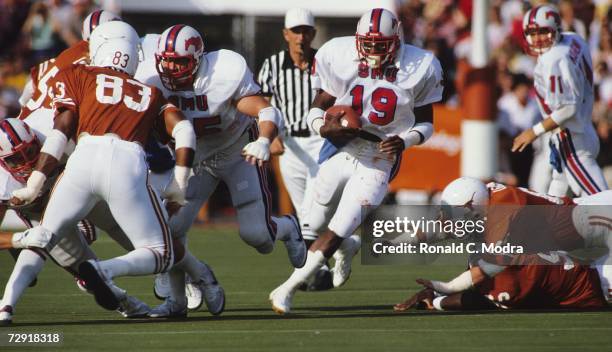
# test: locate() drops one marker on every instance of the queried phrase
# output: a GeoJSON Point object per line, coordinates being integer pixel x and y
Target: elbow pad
{"type": "Point", "coordinates": [184, 135]}
{"type": "Point", "coordinates": [458, 284]}
{"type": "Point", "coordinates": [55, 144]}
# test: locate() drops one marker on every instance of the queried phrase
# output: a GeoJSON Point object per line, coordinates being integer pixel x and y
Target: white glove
{"type": "Point", "coordinates": [176, 189]}
{"type": "Point", "coordinates": [32, 189]}
{"type": "Point", "coordinates": [17, 240]}
{"type": "Point", "coordinates": [35, 237]}
{"type": "Point", "coordinates": [258, 151]}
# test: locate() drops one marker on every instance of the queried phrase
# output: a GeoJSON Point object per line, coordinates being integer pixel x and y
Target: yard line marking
{"type": "Point", "coordinates": [294, 331]}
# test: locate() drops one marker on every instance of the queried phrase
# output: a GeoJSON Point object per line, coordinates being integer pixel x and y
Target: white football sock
{"type": "Point", "coordinates": [314, 261]}
{"type": "Point", "coordinates": [177, 285]}
{"type": "Point", "coordinates": [140, 261]}
{"type": "Point", "coordinates": [284, 227]}
{"type": "Point", "coordinates": [27, 267]}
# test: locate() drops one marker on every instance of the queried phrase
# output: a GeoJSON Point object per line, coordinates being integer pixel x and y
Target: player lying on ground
{"type": "Point", "coordinates": [391, 86]}
{"type": "Point", "coordinates": [543, 281]}
{"type": "Point", "coordinates": [580, 223]}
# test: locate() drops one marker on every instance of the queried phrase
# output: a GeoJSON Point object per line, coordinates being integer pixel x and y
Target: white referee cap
{"type": "Point", "coordinates": [299, 17]}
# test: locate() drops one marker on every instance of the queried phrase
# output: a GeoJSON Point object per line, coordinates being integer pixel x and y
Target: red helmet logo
{"type": "Point", "coordinates": [195, 41]}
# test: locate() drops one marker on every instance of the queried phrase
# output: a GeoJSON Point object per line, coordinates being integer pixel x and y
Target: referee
{"type": "Point", "coordinates": [285, 77]}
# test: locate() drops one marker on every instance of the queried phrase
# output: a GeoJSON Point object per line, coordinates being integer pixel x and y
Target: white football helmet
{"type": "Point", "coordinates": [378, 37]}
{"type": "Point", "coordinates": [95, 19]}
{"type": "Point", "coordinates": [19, 148]}
{"type": "Point", "coordinates": [462, 197]}
{"type": "Point", "coordinates": [541, 28]}
{"type": "Point", "coordinates": [114, 44]}
{"type": "Point", "coordinates": [178, 56]}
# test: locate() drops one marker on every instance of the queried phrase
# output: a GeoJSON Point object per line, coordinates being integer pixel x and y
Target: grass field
{"type": "Point", "coordinates": [356, 317]}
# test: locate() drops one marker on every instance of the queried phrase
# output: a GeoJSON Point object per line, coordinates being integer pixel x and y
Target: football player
{"type": "Point", "coordinates": [543, 281]}
{"type": "Point", "coordinates": [216, 91]}
{"type": "Point", "coordinates": [564, 88]}
{"type": "Point", "coordinates": [555, 224]}
{"type": "Point", "coordinates": [19, 152]}
{"type": "Point", "coordinates": [111, 115]}
{"type": "Point", "coordinates": [392, 86]}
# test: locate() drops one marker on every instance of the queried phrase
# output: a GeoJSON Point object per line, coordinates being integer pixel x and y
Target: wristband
{"type": "Point", "coordinates": [437, 302]}
{"type": "Point", "coordinates": [538, 129]}
{"type": "Point", "coordinates": [317, 124]}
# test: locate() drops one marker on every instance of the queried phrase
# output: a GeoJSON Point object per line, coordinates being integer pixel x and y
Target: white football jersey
{"type": "Point", "coordinates": [222, 78]}
{"type": "Point", "coordinates": [385, 100]}
{"type": "Point", "coordinates": [563, 75]}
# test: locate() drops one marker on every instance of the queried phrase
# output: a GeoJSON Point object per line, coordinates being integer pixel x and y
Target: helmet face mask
{"type": "Point", "coordinates": [177, 59]}
{"type": "Point", "coordinates": [378, 38]}
{"type": "Point", "coordinates": [541, 29]}
{"type": "Point", "coordinates": [20, 158]}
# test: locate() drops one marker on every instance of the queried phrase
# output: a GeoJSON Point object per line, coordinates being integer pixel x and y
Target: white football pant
{"type": "Point", "coordinates": [105, 168]}
{"type": "Point", "coordinates": [299, 166]}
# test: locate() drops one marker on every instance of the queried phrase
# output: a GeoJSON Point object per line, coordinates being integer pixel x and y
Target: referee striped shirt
{"type": "Point", "coordinates": [290, 90]}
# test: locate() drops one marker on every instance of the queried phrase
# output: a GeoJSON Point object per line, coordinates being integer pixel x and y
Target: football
{"type": "Point", "coordinates": [350, 119]}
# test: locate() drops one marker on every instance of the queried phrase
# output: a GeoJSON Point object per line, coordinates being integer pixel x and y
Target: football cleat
{"type": "Point", "coordinates": [320, 281]}
{"type": "Point", "coordinates": [214, 295]}
{"type": "Point", "coordinates": [296, 247]}
{"type": "Point", "coordinates": [131, 307]}
{"type": "Point", "coordinates": [82, 285]}
{"type": "Point", "coordinates": [194, 296]}
{"type": "Point", "coordinates": [280, 299]}
{"type": "Point", "coordinates": [170, 309]}
{"type": "Point", "coordinates": [104, 290]}
{"type": "Point", "coordinates": [161, 287]}
{"type": "Point", "coordinates": [344, 258]}
{"type": "Point", "coordinates": [6, 315]}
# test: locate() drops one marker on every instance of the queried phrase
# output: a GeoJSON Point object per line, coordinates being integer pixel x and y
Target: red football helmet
{"type": "Point", "coordinates": [541, 28]}
{"type": "Point", "coordinates": [179, 52]}
{"type": "Point", "coordinates": [378, 37]}
{"type": "Point", "coordinates": [19, 148]}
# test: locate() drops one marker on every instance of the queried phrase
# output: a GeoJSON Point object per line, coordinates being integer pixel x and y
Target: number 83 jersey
{"type": "Point", "coordinates": [385, 99]}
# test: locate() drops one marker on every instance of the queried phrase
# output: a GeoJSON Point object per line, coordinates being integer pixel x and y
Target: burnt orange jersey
{"type": "Point", "coordinates": [46, 70]}
{"type": "Point", "coordinates": [535, 221]}
{"type": "Point", "coordinates": [545, 281]}
{"type": "Point", "coordinates": [109, 101]}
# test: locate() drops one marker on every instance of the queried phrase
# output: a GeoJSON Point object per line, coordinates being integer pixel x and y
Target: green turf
{"type": "Point", "coordinates": [356, 317]}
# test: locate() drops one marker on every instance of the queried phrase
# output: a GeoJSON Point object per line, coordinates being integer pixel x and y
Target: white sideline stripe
{"type": "Point", "coordinates": [294, 331]}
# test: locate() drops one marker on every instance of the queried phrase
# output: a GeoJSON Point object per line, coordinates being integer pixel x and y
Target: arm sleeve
{"type": "Point", "coordinates": [247, 86]}
{"type": "Point", "coordinates": [63, 91]}
{"type": "Point", "coordinates": [322, 73]}
{"type": "Point", "coordinates": [429, 89]}
{"type": "Point", "coordinates": [265, 78]}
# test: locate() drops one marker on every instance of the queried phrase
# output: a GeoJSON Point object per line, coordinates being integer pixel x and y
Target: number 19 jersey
{"type": "Point", "coordinates": [385, 99]}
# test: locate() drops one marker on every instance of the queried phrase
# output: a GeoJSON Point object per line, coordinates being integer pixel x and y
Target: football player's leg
{"type": "Point", "coordinates": [28, 265]}
{"type": "Point", "coordinates": [578, 154]}
{"type": "Point", "coordinates": [592, 218]}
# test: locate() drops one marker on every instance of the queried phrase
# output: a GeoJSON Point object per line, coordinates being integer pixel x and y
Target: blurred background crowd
{"type": "Point", "coordinates": [32, 31]}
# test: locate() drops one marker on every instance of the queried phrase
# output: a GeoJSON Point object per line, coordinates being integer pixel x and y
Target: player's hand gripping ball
{"type": "Point", "coordinates": [341, 125]}
{"type": "Point", "coordinates": [348, 117]}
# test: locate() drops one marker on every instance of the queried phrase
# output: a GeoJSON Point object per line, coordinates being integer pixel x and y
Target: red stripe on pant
{"type": "Point", "coordinates": [571, 164]}
{"type": "Point", "coordinates": [263, 185]}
